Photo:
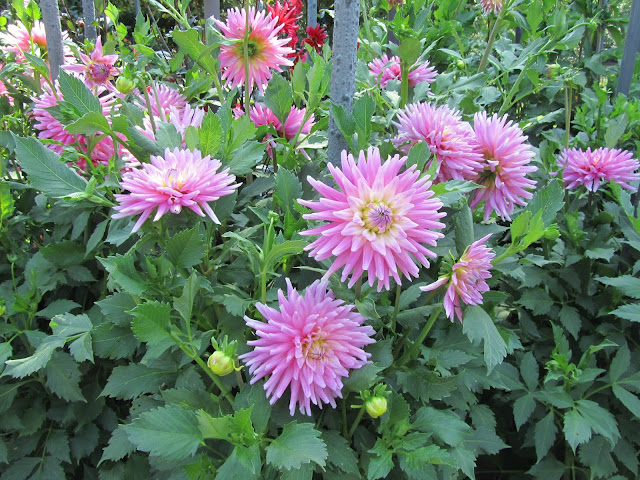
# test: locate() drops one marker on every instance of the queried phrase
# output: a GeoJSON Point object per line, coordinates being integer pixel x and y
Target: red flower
{"type": "Point", "coordinates": [287, 15]}
{"type": "Point", "coordinates": [315, 37]}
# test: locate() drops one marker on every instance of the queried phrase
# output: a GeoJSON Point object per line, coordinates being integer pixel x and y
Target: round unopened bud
{"type": "Point", "coordinates": [460, 64]}
{"type": "Point", "coordinates": [220, 363]}
{"type": "Point", "coordinates": [2, 310]}
{"type": "Point", "coordinates": [124, 85]}
{"type": "Point", "coordinates": [553, 71]}
{"type": "Point", "coordinates": [376, 406]}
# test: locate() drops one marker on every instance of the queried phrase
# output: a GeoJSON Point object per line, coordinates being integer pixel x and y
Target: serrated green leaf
{"type": "Point", "coordinates": [600, 253]}
{"type": "Point", "coordinates": [75, 92]}
{"type": "Point", "coordinates": [247, 156]}
{"type": "Point", "coordinates": [186, 248]}
{"type": "Point", "coordinates": [576, 429]}
{"type": "Point", "coordinates": [570, 319]}
{"type": "Point", "coordinates": [210, 135]}
{"type": "Point", "coordinates": [57, 445]}
{"type": "Point", "coordinates": [597, 455]}
{"type": "Point", "coordinates": [288, 189]}
{"type": "Point", "coordinates": [254, 396]}
{"type": "Point", "coordinates": [615, 130]}
{"type": "Point", "coordinates": [4, 457]}
{"type": "Point", "coordinates": [444, 425]}
{"type": "Point", "coordinates": [628, 399]}
{"type": "Point", "coordinates": [344, 121]}
{"type": "Point", "coordinates": [463, 228]}
{"type": "Point", "coordinates": [57, 307]}
{"type": "Point", "coordinates": [485, 440]}
{"type": "Point", "coordinates": [620, 363]}
{"type": "Point", "coordinates": [339, 453]}
{"type": "Point", "coordinates": [278, 97]}
{"type": "Point", "coordinates": [288, 247]}
{"type": "Point", "coordinates": [529, 370]}
{"type": "Point", "coordinates": [363, 110]}
{"type": "Point", "coordinates": [45, 170]}
{"type": "Point", "coordinates": [133, 380]}
{"type": "Point", "coordinates": [243, 463]}
{"type": "Point", "coordinates": [119, 446]}
{"type": "Point", "coordinates": [170, 432]}
{"type": "Point", "coordinates": [89, 123]}
{"type": "Point", "coordinates": [628, 312]}
{"type": "Point", "coordinates": [478, 325]}
{"type": "Point", "coordinates": [116, 308]}
{"type": "Point", "coordinates": [123, 272]}
{"type": "Point", "coordinates": [523, 407]}
{"type": "Point", "coordinates": [549, 469]}
{"type": "Point", "coordinates": [537, 300]}
{"type": "Point", "coordinates": [299, 443]}
{"type": "Point", "coordinates": [151, 325]}
{"type": "Point", "coordinates": [549, 200]}
{"type": "Point", "coordinates": [63, 377]}
{"type": "Point", "coordinates": [627, 284]}
{"type": "Point", "coordinates": [409, 50]}
{"type": "Point", "coordinates": [545, 435]}
{"type": "Point", "coordinates": [184, 303]}
{"type": "Point", "coordinates": [190, 44]}
{"type": "Point", "coordinates": [380, 466]}
{"type": "Point", "coordinates": [26, 366]}
{"type": "Point", "coordinates": [6, 203]}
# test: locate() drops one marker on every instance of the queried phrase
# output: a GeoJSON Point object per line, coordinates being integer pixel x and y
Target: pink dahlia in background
{"type": "Point", "coordinates": [162, 98]}
{"type": "Point", "coordinates": [97, 69]}
{"type": "Point", "coordinates": [18, 39]}
{"type": "Point", "coordinates": [178, 179]}
{"type": "Point", "coordinates": [467, 279]}
{"type": "Point", "coordinates": [385, 69]}
{"type": "Point", "coordinates": [491, 6]}
{"type": "Point", "coordinates": [589, 168]}
{"type": "Point", "coordinates": [49, 128]}
{"type": "Point", "coordinates": [3, 89]}
{"type": "Point", "coordinates": [309, 345]}
{"type": "Point", "coordinates": [450, 139]}
{"type": "Point", "coordinates": [505, 167]}
{"type": "Point", "coordinates": [262, 115]}
{"type": "Point", "coordinates": [265, 49]}
{"type": "Point", "coordinates": [185, 118]}
{"type": "Point", "coordinates": [378, 220]}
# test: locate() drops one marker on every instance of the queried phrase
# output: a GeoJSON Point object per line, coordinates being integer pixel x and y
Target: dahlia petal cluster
{"type": "Point", "coordinates": [178, 179]}
{"type": "Point", "coordinates": [505, 167]}
{"type": "Point", "coordinates": [590, 168]}
{"type": "Point", "coordinates": [489, 6]}
{"type": "Point", "coordinates": [308, 345]}
{"type": "Point", "coordinates": [162, 99]}
{"type": "Point", "coordinates": [450, 139]}
{"type": "Point", "coordinates": [265, 50]}
{"type": "Point", "coordinates": [262, 115]}
{"type": "Point", "coordinates": [385, 69]}
{"type": "Point", "coordinates": [288, 16]}
{"type": "Point", "coordinates": [379, 220]}
{"type": "Point", "coordinates": [315, 37]}
{"type": "Point", "coordinates": [96, 69]}
{"type": "Point", "coordinates": [467, 279]}
{"type": "Point", "coordinates": [17, 39]}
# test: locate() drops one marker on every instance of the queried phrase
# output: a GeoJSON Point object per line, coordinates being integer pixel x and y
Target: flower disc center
{"type": "Point", "coordinates": [99, 72]}
{"type": "Point", "coordinates": [378, 217]}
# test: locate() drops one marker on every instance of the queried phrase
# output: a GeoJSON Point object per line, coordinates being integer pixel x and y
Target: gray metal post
{"type": "Point", "coordinates": [343, 69]}
{"type": "Point", "coordinates": [212, 9]}
{"type": "Point", "coordinates": [89, 12]}
{"type": "Point", "coordinates": [51, 20]}
{"type": "Point", "coordinates": [312, 13]}
{"type": "Point", "coordinates": [631, 49]}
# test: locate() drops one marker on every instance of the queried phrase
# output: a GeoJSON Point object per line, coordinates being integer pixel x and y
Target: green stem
{"type": "Point", "coordinates": [356, 422]}
{"type": "Point", "coordinates": [263, 287]}
{"type": "Point", "coordinates": [404, 83]}
{"type": "Point", "coordinates": [239, 378]}
{"type": "Point", "coordinates": [396, 308]}
{"type": "Point", "coordinates": [410, 353]}
{"type": "Point", "coordinates": [567, 114]}
{"type": "Point", "coordinates": [343, 411]}
{"type": "Point", "coordinates": [492, 37]}
{"type": "Point", "coordinates": [599, 389]}
{"type": "Point", "coordinates": [247, 91]}
{"type": "Point", "coordinates": [507, 253]}
{"type": "Point", "coordinates": [359, 289]}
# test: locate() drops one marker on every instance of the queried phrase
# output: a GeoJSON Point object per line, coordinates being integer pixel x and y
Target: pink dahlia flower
{"type": "Point", "coordinates": [489, 6]}
{"type": "Point", "coordinates": [309, 345]}
{"type": "Point", "coordinates": [385, 69]}
{"type": "Point", "coordinates": [505, 167]}
{"type": "Point", "coordinates": [49, 127]}
{"type": "Point", "coordinates": [467, 279]}
{"type": "Point", "coordinates": [379, 220]}
{"type": "Point", "coordinates": [592, 167]}
{"type": "Point", "coordinates": [261, 115]}
{"type": "Point", "coordinates": [162, 98]}
{"type": "Point", "coordinates": [265, 49]}
{"type": "Point", "coordinates": [450, 139]}
{"type": "Point", "coordinates": [3, 89]}
{"type": "Point", "coordinates": [97, 69]}
{"type": "Point", "coordinates": [18, 39]}
{"type": "Point", "coordinates": [178, 179]}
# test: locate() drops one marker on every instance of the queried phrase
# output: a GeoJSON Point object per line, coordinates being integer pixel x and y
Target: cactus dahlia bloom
{"type": "Point", "coordinates": [178, 179]}
{"type": "Point", "coordinates": [265, 50]}
{"type": "Point", "coordinates": [466, 279]}
{"type": "Point", "coordinates": [385, 69]}
{"type": "Point", "coordinates": [379, 220]}
{"type": "Point", "coordinates": [491, 6]}
{"type": "Point", "coordinates": [450, 139]}
{"type": "Point", "coordinates": [261, 115]}
{"type": "Point", "coordinates": [309, 345]}
{"type": "Point", "coordinates": [505, 166]}
{"type": "Point", "coordinates": [589, 168]}
{"type": "Point", "coordinates": [98, 68]}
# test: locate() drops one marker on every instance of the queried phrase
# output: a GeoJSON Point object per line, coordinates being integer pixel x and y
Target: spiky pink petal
{"type": "Point", "coordinates": [590, 168]}
{"type": "Point", "coordinates": [385, 69]}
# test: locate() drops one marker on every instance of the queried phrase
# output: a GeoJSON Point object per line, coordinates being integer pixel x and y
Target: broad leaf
{"type": "Point", "coordinates": [478, 325]}
{"type": "Point", "coordinates": [299, 443]}
{"type": "Point", "coordinates": [186, 249]}
{"type": "Point", "coordinates": [133, 380]}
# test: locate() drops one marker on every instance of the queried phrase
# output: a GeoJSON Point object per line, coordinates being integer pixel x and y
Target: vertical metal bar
{"type": "Point", "coordinates": [51, 20]}
{"type": "Point", "coordinates": [631, 49]}
{"type": "Point", "coordinates": [89, 12]}
{"type": "Point", "coordinates": [312, 13]}
{"type": "Point", "coordinates": [212, 9]}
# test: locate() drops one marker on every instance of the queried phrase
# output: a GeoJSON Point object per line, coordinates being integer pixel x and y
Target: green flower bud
{"type": "Point", "coordinates": [460, 64]}
{"type": "Point", "coordinates": [124, 85]}
{"type": "Point", "coordinates": [376, 406]}
{"type": "Point", "coordinates": [2, 310]}
{"type": "Point", "coordinates": [220, 363]}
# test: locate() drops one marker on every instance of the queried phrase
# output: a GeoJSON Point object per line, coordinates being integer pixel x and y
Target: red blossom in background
{"type": "Point", "coordinates": [315, 37]}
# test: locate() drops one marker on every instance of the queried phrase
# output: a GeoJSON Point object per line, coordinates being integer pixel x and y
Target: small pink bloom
{"type": "Point", "coordinates": [379, 220]}
{"type": "Point", "coordinates": [385, 69]}
{"type": "Point", "coordinates": [265, 49]}
{"type": "Point", "coordinates": [506, 165]}
{"type": "Point", "coordinates": [309, 345]}
{"type": "Point", "coordinates": [261, 115]}
{"type": "Point", "coordinates": [17, 40]}
{"type": "Point", "coordinates": [489, 6]}
{"type": "Point", "coordinates": [467, 279]}
{"type": "Point", "coordinates": [3, 89]}
{"type": "Point", "coordinates": [589, 168]}
{"type": "Point", "coordinates": [97, 69]}
{"type": "Point", "coordinates": [179, 179]}
{"type": "Point", "coordinates": [162, 99]}
{"type": "Point", "coordinates": [450, 139]}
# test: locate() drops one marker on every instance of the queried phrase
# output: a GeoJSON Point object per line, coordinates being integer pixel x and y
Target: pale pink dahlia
{"type": "Point", "coordinates": [466, 279]}
{"type": "Point", "coordinates": [379, 220]}
{"type": "Point", "coordinates": [309, 344]}
{"type": "Point", "coordinates": [385, 69]}
{"type": "Point", "coordinates": [262, 115]}
{"type": "Point", "coordinates": [505, 167]}
{"type": "Point", "coordinates": [97, 69]}
{"type": "Point", "coordinates": [592, 167]}
{"type": "Point", "coordinates": [49, 127]}
{"type": "Point", "coordinates": [18, 39]}
{"type": "Point", "coordinates": [265, 49]}
{"type": "Point", "coordinates": [179, 179]}
{"type": "Point", "coordinates": [491, 6]}
{"type": "Point", "coordinates": [162, 99]}
{"type": "Point", "coordinates": [449, 138]}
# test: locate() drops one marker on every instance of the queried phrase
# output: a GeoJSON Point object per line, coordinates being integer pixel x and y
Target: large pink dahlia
{"type": "Point", "coordinates": [178, 179]}
{"type": "Point", "coordinates": [466, 279]}
{"type": "Point", "coordinates": [385, 69]}
{"type": "Point", "coordinates": [310, 344]}
{"type": "Point", "coordinates": [505, 167]}
{"type": "Point", "coordinates": [262, 115]}
{"type": "Point", "coordinates": [449, 138]}
{"type": "Point", "coordinates": [265, 49]}
{"type": "Point", "coordinates": [379, 220]}
{"type": "Point", "coordinates": [589, 168]}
